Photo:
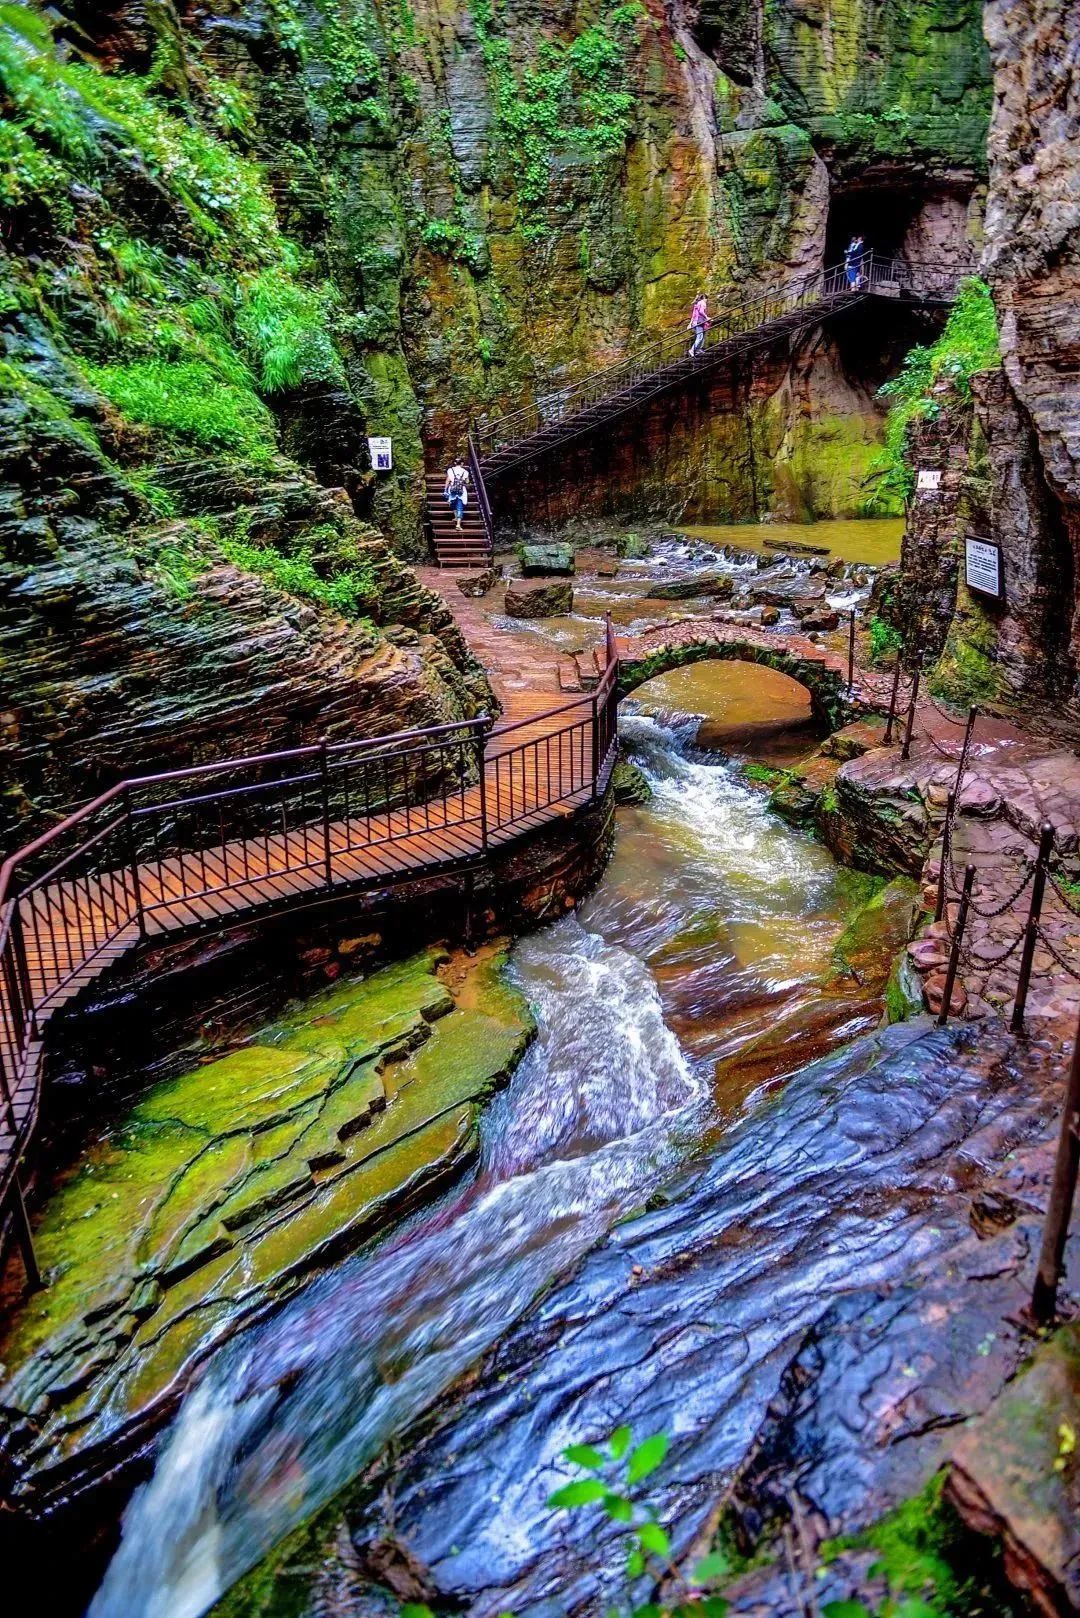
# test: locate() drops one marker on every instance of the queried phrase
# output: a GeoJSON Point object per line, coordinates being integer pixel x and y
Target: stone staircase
{"type": "Point", "coordinates": [465, 549]}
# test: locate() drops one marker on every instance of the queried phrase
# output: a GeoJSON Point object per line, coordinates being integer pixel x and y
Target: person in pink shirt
{"type": "Point", "coordinates": [699, 323]}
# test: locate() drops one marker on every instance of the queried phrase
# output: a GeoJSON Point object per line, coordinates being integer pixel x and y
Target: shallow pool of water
{"type": "Point", "coordinates": [874, 541]}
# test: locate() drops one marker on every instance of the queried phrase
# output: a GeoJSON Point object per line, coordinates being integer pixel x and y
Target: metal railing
{"type": "Point", "coordinates": [203, 846]}
{"type": "Point", "coordinates": [958, 898]}
{"type": "Point", "coordinates": [483, 504]}
{"type": "Point", "coordinates": [735, 326]}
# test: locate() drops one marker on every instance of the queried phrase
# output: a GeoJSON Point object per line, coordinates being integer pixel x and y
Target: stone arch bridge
{"type": "Point", "coordinates": [695, 640]}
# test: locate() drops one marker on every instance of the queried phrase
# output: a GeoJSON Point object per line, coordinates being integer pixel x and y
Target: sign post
{"type": "Point", "coordinates": [982, 567]}
{"type": "Point", "coordinates": [382, 454]}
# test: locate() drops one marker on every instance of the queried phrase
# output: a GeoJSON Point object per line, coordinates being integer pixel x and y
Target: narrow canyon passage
{"type": "Point", "coordinates": [713, 919]}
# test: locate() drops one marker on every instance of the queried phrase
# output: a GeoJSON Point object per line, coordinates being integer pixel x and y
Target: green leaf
{"type": "Point", "coordinates": [619, 1442]}
{"type": "Point", "coordinates": [635, 1564]}
{"type": "Point", "coordinates": [618, 1508]}
{"type": "Point", "coordinates": [646, 1457]}
{"type": "Point", "coordinates": [652, 1538]}
{"type": "Point", "coordinates": [581, 1493]}
{"type": "Point", "coordinates": [648, 1609]}
{"type": "Point", "coordinates": [416, 1609]}
{"type": "Point", "coordinates": [713, 1566]}
{"type": "Point", "coordinates": [713, 1606]}
{"type": "Point", "coordinates": [845, 1609]}
{"type": "Point", "coordinates": [583, 1455]}
{"type": "Point", "coordinates": [915, 1607]}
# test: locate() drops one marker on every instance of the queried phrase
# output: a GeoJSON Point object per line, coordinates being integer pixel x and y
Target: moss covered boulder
{"type": "Point", "coordinates": [221, 1189]}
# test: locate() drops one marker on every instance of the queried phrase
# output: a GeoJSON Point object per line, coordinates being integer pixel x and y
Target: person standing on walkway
{"type": "Point", "coordinates": [853, 261]}
{"type": "Point", "coordinates": [457, 490]}
{"type": "Point", "coordinates": [699, 324]}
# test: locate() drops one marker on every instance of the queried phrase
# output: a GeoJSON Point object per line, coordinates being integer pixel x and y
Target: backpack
{"type": "Point", "coordinates": [459, 484]}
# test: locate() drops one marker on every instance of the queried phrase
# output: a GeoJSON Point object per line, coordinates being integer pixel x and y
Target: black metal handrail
{"type": "Point", "coordinates": [205, 843]}
{"type": "Point", "coordinates": [812, 294]}
{"type": "Point", "coordinates": [480, 490]}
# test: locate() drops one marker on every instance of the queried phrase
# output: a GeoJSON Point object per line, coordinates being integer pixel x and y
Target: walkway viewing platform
{"type": "Point", "coordinates": [203, 847]}
{"type": "Point", "coordinates": [660, 363]}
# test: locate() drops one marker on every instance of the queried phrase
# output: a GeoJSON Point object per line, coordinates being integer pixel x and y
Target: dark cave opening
{"type": "Point", "coordinates": [883, 214]}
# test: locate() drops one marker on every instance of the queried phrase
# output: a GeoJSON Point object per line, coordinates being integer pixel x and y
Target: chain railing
{"type": "Point", "coordinates": [200, 846]}
{"type": "Point", "coordinates": [666, 357]}
{"type": "Point", "coordinates": [957, 899]}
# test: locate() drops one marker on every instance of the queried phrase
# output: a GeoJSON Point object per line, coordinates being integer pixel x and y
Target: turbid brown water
{"type": "Point", "coordinates": [873, 541]}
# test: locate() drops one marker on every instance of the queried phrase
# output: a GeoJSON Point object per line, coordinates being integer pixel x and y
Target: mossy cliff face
{"type": "Point", "coordinates": [385, 217]}
{"type": "Point", "coordinates": [1010, 445]}
{"type": "Point", "coordinates": [222, 1189]}
{"type": "Point", "coordinates": [174, 584]}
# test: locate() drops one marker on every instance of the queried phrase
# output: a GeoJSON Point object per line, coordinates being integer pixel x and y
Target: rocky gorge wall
{"type": "Point", "coordinates": [1011, 447]}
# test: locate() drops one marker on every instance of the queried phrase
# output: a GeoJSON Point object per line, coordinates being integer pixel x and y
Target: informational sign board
{"type": "Point", "coordinates": [982, 567]}
{"type": "Point", "coordinates": [382, 454]}
{"type": "Point", "coordinates": [929, 481]}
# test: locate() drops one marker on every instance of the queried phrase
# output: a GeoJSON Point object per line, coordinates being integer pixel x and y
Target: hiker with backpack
{"type": "Point", "coordinates": [457, 490]}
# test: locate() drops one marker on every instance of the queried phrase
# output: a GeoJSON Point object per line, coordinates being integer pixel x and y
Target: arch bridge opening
{"type": "Point", "coordinates": [745, 709]}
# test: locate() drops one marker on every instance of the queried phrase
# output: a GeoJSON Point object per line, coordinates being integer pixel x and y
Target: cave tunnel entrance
{"type": "Point", "coordinates": [900, 216]}
{"type": "Point", "coordinates": [883, 214]}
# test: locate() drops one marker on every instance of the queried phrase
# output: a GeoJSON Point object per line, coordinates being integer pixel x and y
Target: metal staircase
{"type": "Point", "coordinates": [662, 363]}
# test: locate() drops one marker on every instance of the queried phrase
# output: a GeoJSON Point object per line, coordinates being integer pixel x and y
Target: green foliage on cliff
{"type": "Point", "coordinates": [181, 332]}
{"type": "Point", "coordinates": [574, 97]}
{"type": "Point", "coordinates": [968, 345]}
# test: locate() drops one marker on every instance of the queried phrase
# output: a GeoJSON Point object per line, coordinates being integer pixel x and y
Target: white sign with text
{"type": "Point", "coordinates": [929, 481]}
{"type": "Point", "coordinates": [983, 567]}
{"type": "Point", "coordinates": [382, 454]}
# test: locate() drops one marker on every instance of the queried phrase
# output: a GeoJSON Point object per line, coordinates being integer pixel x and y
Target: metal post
{"type": "Point", "coordinates": [468, 895]}
{"type": "Point", "coordinates": [905, 751]}
{"type": "Point", "coordinates": [481, 738]}
{"type": "Point", "coordinates": [1062, 1193]}
{"type": "Point", "coordinates": [133, 862]}
{"type": "Point", "coordinates": [851, 653]}
{"type": "Point", "coordinates": [6, 1097]}
{"type": "Point", "coordinates": [22, 966]}
{"type": "Point", "coordinates": [595, 747]}
{"type": "Point", "coordinates": [958, 934]}
{"type": "Point", "coordinates": [892, 702]}
{"type": "Point", "coordinates": [1031, 931]}
{"type": "Point", "coordinates": [946, 850]}
{"type": "Point", "coordinates": [324, 774]}
{"type": "Point", "coordinates": [23, 1236]}
{"type": "Point", "coordinates": [611, 654]}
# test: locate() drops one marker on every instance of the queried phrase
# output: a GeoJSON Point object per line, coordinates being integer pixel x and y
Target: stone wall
{"type": "Point", "coordinates": [1010, 451]}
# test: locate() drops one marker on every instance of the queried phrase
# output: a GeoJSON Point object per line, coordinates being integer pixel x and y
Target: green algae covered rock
{"type": "Point", "coordinates": [541, 559]}
{"type": "Point", "coordinates": [224, 1186]}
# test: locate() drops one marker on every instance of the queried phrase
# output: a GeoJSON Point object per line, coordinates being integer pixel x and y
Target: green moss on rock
{"type": "Point", "coordinates": [221, 1188]}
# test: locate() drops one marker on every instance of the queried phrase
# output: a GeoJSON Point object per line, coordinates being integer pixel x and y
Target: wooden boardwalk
{"type": "Point", "coordinates": [316, 821]}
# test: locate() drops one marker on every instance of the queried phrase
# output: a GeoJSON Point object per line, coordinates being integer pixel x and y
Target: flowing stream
{"type": "Point", "coordinates": [710, 910]}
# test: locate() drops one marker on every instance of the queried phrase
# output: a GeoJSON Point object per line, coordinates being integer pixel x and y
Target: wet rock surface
{"type": "Point", "coordinates": [221, 1190]}
{"type": "Point", "coordinates": [538, 600]}
{"type": "Point", "coordinates": [810, 1303]}
{"type": "Point", "coordinates": [542, 559]}
{"type": "Point", "coordinates": [1015, 1475]}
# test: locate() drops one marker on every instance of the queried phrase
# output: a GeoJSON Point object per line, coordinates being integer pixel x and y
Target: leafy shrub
{"type": "Point", "coordinates": [968, 345]}
{"type": "Point", "coordinates": [883, 640]}
{"type": "Point", "coordinates": [349, 592]}
{"type": "Point", "coordinates": [285, 329]}
{"type": "Point", "coordinates": [190, 402]}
